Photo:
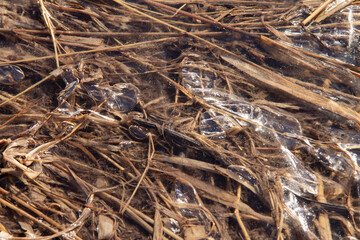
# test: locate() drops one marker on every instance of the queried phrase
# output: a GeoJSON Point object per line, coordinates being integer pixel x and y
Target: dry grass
{"type": "Point", "coordinates": [179, 119]}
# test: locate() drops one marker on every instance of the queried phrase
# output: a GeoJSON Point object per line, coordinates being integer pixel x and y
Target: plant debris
{"type": "Point", "coordinates": [180, 119]}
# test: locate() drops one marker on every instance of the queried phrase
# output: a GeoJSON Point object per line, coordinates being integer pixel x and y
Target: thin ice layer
{"type": "Point", "coordinates": [299, 180]}
{"type": "Point", "coordinates": [196, 76]}
{"type": "Point", "coordinates": [272, 126]}
{"type": "Point", "coordinates": [341, 39]}
{"type": "Point", "coordinates": [188, 203]}
{"type": "Point", "coordinates": [121, 96]}
{"type": "Point", "coordinates": [215, 124]}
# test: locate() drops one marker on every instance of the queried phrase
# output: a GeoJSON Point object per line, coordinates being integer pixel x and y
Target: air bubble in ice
{"type": "Point", "coordinates": [195, 76]}
{"type": "Point", "coordinates": [213, 123]}
{"type": "Point", "coordinates": [11, 74]}
{"type": "Point", "coordinates": [122, 96]}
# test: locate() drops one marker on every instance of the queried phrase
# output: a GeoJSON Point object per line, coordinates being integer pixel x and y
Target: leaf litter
{"type": "Point", "coordinates": [179, 119]}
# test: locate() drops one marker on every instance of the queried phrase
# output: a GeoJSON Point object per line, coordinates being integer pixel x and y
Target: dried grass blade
{"type": "Point", "coordinates": [238, 217]}
{"type": "Point", "coordinates": [151, 152]}
{"type": "Point", "coordinates": [219, 195]}
{"type": "Point", "coordinates": [27, 215]}
{"type": "Point", "coordinates": [22, 111]}
{"type": "Point", "coordinates": [275, 82]}
{"type": "Point", "coordinates": [46, 15]}
{"type": "Point", "coordinates": [332, 61]}
{"type": "Point", "coordinates": [339, 5]}
{"type": "Point", "coordinates": [158, 225]}
{"type": "Point", "coordinates": [105, 49]}
{"type": "Point", "coordinates": [205, 20]}
{"type": "Point", "coordinates": [53, 73]}
{"type": "Point", "coordinates": [321, 8]}
{"type": "Point", "coordinates": [35, 210]}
